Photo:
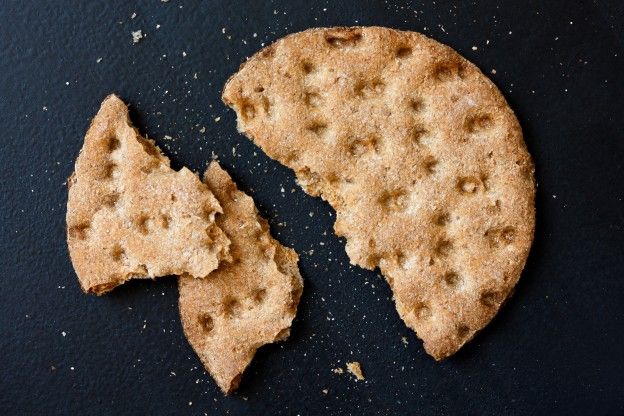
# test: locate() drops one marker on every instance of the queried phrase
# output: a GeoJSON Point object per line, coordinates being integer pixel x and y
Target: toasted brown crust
{"type": "Point", "coordinates": [247, 303]}
{"type": "Point", "coordinates": [129, 215]}
{"type": "Point", "coordinates": [419, 154]}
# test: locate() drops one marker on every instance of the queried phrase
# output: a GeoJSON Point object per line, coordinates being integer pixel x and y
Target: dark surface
{"type": "Point", "coordinates": [557, 347]}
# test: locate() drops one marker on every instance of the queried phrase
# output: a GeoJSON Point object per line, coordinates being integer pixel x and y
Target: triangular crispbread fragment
{"type": "Point", "coordinates": [418, 153]}
{"type": "Point", "coordinates": [129, 215]}
{"type": "Point", "coordinates": [244, 304]}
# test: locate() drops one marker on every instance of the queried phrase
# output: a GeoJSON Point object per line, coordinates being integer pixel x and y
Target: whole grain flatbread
{"type": "Point", "coordinates": [418, 153]}
{"type": "Point", "coordinates": [246, 303]}
{"type": "Point", "coordinates": [129, 215]}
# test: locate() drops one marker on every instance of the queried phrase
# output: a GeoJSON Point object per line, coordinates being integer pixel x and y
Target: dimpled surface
{"type": "Point", "coordinates": [419, 154]}
{"type": "Point", "coordinates": [246, 303]}
{"type": "Point", "coordinates": [129, 215]}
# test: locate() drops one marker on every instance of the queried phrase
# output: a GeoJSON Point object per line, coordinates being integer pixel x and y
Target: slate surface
{"type": "Point", "coordinates": [556, 348]}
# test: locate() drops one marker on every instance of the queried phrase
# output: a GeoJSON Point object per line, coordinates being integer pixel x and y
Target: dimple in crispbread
{"type": "Point", "coordinates": [246, 303]}
{"type": "Point", "coordinates": [418, 153]}
{"type": "Point", "coordinates": [129, 215]}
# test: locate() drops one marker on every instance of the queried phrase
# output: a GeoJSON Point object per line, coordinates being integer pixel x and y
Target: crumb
{"type": "Point", "coordinates": [355, 369]}
{"type": "Point", "coordinates": [404, 339]}
{"type": "Point", "coordinates": [337, 370]}
{"type": "Point", "coordinates": [325, 391]}
{"type": "Point", "coordinates": [98, 60]}
{"type": "Point", "coordinates": [133, 15]}
{"type": "Point", "coordinates": [202, 130]}
{"type": "Point", "coordinates": [474, 48]}
{"type": "Point", "coordinates": [493, 71]}
{"type": "Point", "coordinates": [137, 36]}
{"type": "Point", "coordinates": [217, 119]}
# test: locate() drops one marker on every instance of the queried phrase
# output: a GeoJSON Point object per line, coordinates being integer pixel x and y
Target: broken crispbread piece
{"type": "Point", "coordinates": [129, 215]}
{"type": "Point", "coordinates": [243, 304]}
{"type": "Point", "coordinates": [418, 153]}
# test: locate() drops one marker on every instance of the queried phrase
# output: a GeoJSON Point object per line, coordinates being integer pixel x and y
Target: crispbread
{"type": "Point", "coordinates": [419, 154]}
{"type": "Point", "coordinates": [246, 303]}
{"type": "Point", "coordinates": [129, 215]}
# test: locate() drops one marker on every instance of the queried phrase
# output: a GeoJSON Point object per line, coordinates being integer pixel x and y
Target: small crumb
{"type": "Point", "coordinates": [45, 108]}
{"type": "Point", "coordinates": [474, 48]}
{"type": "Point", "coordinates": [337, 370]}
{"type": "Point", "coordinates": [98, 60]}
{"type": "Point", "coordinates": [356, 369]}
{"type": "Point", "coordinates": [64, 333]}
{"type": "Point", "coordinates": [217, 119]}
{"type": "Point", "coordinates": [404, 340]}
{"type": "Point", "coordinates": [137, 36]}
{"type": "Point", "coordinates": [133, 15]}
{"type": "Point", "coordinates": [183, 54]}
{"type": "Point", "coordinates": [71, 368]}
{"type": "Point", "coordinates": [202, 130]}
{"type": "Point", "coordinates": [493, 71]}
{"type": "Point", "coordinates": [190, 403]}
{"type": "Point", "coordinates": [325, 391]}
{"type": "Point", "coordinates": [157, 26]}
{"type": "Point", "coordinates": [167, 137]}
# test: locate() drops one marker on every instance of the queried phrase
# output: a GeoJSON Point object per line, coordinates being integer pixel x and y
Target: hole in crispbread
{"type": "Point", "coordinates": [232, 307]}
{"type": "Point", "coordinates": [108, 170]}
{"type": "Point", "coordinates": [142, 224]}
{"type": "Point", "coordinates": [113, 144]}
{"type": "Point", "coordinates": [463, 331]}
{"type": "Point", "coordinates": [307, 67]}
{"type": "Point", "coordinates": [490, 298]}
{"type": "Point", "coordinates": [418, 132]}
{"type": "Point", "coordinates": [478, 122]}
{"type": "Point", "coordinates": [369, 88]}
{"type": "Point", "coordinates": [443, 247]}
{"type": "Point", "coordinates": [468, 184]}
{"type": "Point", "coordinates": [343, 38]}
{"type": "Point", "coordinates": [451, 278]}
{"type": "Point", "coordinates": [248, 111]}
{"type": "Point", "coordinates": [312, 99]}
{"type": "Point", "coordinates": [206, 322]}
{"type": "Point", "coordinates": [403, 52]}
{"type": "Point", "coordinates": [268, 52]}
{"type": "Point", "coordinates": [111, 199]}
{"type": "Point", "coordinates": [259, 295]}
{"type": "Point", "coordinates": [430, 164]}
{"type": "Point", "coordinates": [359, 147]}
{"type": "Point", "coordinates": [318, 127]}
{"type": "Point", "coordinates": [446, 71]}
{"type": "Point", "coordinates": [117, 253]}
{"type": "Point", "coordinates": [164, 221]}
{"type": "Point", "coordinates": [421, 310]}
{"type": "Point", "coordinates": [417, 104]}
{"type": "Point", "coordinates": [79, 232]}
{"type": "Point", "coordinates": [501, 236]}
{"type": "Point", "coordinates": [442, 219]}
{"type": "Point", "coordinates": [395, 200]}
{"type": "Point", "coordinates": [259, 89]}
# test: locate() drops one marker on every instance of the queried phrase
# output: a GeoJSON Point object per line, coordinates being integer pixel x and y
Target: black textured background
{"type": "Point", "coordinates": [556, 348]}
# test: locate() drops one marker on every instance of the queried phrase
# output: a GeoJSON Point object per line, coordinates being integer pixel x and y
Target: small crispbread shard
{"type": "Point", "coordinates": [129, 215]}
{"type": "Point", "coordinates": [246, 303]}
{"type": "Point", "coordinates": [418, 153]}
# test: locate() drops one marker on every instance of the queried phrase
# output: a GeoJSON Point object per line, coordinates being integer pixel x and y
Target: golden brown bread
{"type": "Point", "coordinates": [129, 215]}
{"type": "Point", "coordinates": [244, 304]}
{"type": "Point", "coordinates": [418, 153]}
